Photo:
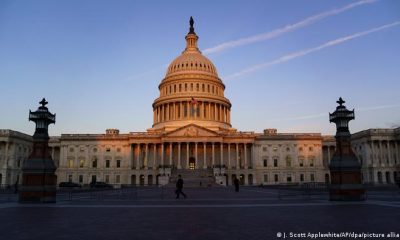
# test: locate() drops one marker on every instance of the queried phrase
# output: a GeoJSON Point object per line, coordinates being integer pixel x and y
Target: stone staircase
{"type": "Point", "coordinates": [193, 178]}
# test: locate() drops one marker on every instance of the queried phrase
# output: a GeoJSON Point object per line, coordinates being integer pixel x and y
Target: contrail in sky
{"type": "Point", "coordinates": [304, 52]}
{"type": "Point", "coordinates": [288, 28]}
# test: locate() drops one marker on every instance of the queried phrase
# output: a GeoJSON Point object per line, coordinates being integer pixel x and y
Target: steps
{"type": "Point", "coordinates": [193, 178]}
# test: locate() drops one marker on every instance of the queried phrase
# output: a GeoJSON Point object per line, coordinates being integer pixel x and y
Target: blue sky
{"type": "Point", "coordinates": [99, 63]}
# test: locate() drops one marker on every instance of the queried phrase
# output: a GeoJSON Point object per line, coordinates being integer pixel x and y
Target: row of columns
{"type": "Point", "coordinates": [379, 153]}
{"type": "Point", "coordinates": [139, 154]}
{"type": "Point", "coordinates": [201, 110]}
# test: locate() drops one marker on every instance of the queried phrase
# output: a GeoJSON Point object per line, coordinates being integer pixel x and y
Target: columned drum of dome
{"type": "Point", "coordinates": [191, 92]}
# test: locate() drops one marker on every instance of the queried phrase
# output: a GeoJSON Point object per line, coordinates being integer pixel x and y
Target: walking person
{"type": "Point", "coordinates": [236, 183]}
{"type": "Point", "coordinates": [179, 186]}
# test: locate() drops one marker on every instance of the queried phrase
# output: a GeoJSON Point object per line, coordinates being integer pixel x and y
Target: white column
{"type": "Point", "coordinates": [388, 153]}
{"type": "Point", "coordinates": [7, 146]}
{"type": "Point", "coordinates": [167, 108]}
{"type": "Point", "coordinates": [205, 155]}
{"type": "Point", "coordinates": [154, 155]}
{"type": "Point", "coordinates": [397, 152]}
{"type": "Point", "coordinates": [162, 154]}
{"type": "Point", "coordinates": [195, 149]}
{"type": "Point", "coordinates": [213, 151]}
{"type": "Point", "coordinates": [138, 157]}
{"type": "Point", "coordinates": [245, 155]}
{"type": "Point", "coordinates": [52, 153]}
{"type": "Point", "coordinates": [381, 155]}
{"type": "Point", "coordinates": [61, 161]}
{"type": "Point", "coordinates": [229, 155]}
{"type": "Point", "coordinates": [222, 154]}
{"type": "Point", "coordinates": [87, 162]}
{"type": "Point", "coordinates": [373, 152]}
{"type": "Point", "coordinates": [146, 157]}
{"type": "Point", "coordinates": [170, 153]}
{"type": "Point", "coordinates": [237, 156]}
{"type": "Point", "coordinates": [329, 156]}
{"type": "Point", "coordinates": [253, 157]}
{"type": "Point", "coordinates": [187, 155]}
{"type": "Point", "coordinates": [179, 156]}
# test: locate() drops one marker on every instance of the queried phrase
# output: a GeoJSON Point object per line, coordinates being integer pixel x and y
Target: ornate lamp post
{"type": "Point", "coordinates": [38, 178]}
{"type": "Point", "coordinates": [346, 183]}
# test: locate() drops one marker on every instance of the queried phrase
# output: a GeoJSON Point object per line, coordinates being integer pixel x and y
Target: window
{"type": "Point", "coordinates": [276, 178]}
{"type": "Point", "coordinates": [289, 178]}
{"type": "Point", "coordinates": [81, 163]}
{"type": "Point", "coordinates": [312, 177]}
{"type": "Point", "coordinates": [265, 177]}
{"type": "Point", "coordinates": [310, 149]}
{"type": "Point", "coordinates": [107, 178]}
{"type": "Point", "coordinates": [71, 149]}
{"type": "Point", "coordinates": [311, 162]}
{"type": "Point", "coordinates": [301, 177]}
{"type": "Point", "coordinates": [301, 161]}
{"type": "Point", "coordinates": [118, 163]}
{"type": "Point", "coordinates": [117, 179]}
{"type": "Point", "coordinates": [287, 149]}
{"type": "Point", "coordinates": [82, 149]}
{"type": "Point", "coordinates": [275, 162]}
{"type": "Point", "coordinates": [288, 161]}
{"type": "Point", "coordinates": [94, 149]}
{"type": "Point", "coordinates": [94, 163]}
{"type": "Point", "coordinates": [70, 163]}
{"type": "Point", "coordinates": [118, 149]}
{"type": "Point", "coordinates": [264, 149]}
{"type": "Point", "coordinates": [80, 178]}
{"type": "Point", "coordinates": [108, 149]}
{"type": "Point", "coordinates": [107, 163]}
{"type": "Point", "coordinates": [69, 178]}
{"type": "Point", "coordinates": [265, 162]}
{"type": "Point", "coordinates": [300, 149]}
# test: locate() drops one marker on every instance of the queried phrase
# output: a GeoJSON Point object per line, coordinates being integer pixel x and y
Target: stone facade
{"type": "Point", "coordinates": [15, 148]}
{"type": "Point", "coordinates": [378, 153]}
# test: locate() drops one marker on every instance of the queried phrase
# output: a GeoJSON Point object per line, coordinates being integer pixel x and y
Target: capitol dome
{"type": "Point", "coordinates": [191, 92]}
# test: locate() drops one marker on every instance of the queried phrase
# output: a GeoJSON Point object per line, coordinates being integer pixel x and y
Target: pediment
{"type": "Point", "coordinates": [192, 130]}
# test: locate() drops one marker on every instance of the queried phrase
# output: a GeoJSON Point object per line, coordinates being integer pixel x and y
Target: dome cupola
{"type": "Point", "coordinates": [191, 92]}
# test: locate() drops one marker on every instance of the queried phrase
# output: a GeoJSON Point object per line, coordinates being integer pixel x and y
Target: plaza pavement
{"type": "Point", "coordinates": [207, 213]}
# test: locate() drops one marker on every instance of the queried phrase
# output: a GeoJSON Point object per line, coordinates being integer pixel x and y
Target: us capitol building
{"type": "Point", "coordinates": [192, 135]}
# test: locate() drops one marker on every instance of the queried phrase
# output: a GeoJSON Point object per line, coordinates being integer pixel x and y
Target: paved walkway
{"type": "Point", "coordinates": [217, 213]}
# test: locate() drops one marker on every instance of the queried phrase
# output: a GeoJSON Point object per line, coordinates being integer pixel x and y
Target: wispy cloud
{"type": "Point", "coordinates": [304, 52]}
{"type": "Point", "coordinates": [320, 115]}
{"type": "Point", "coordinates": [288, 28]}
